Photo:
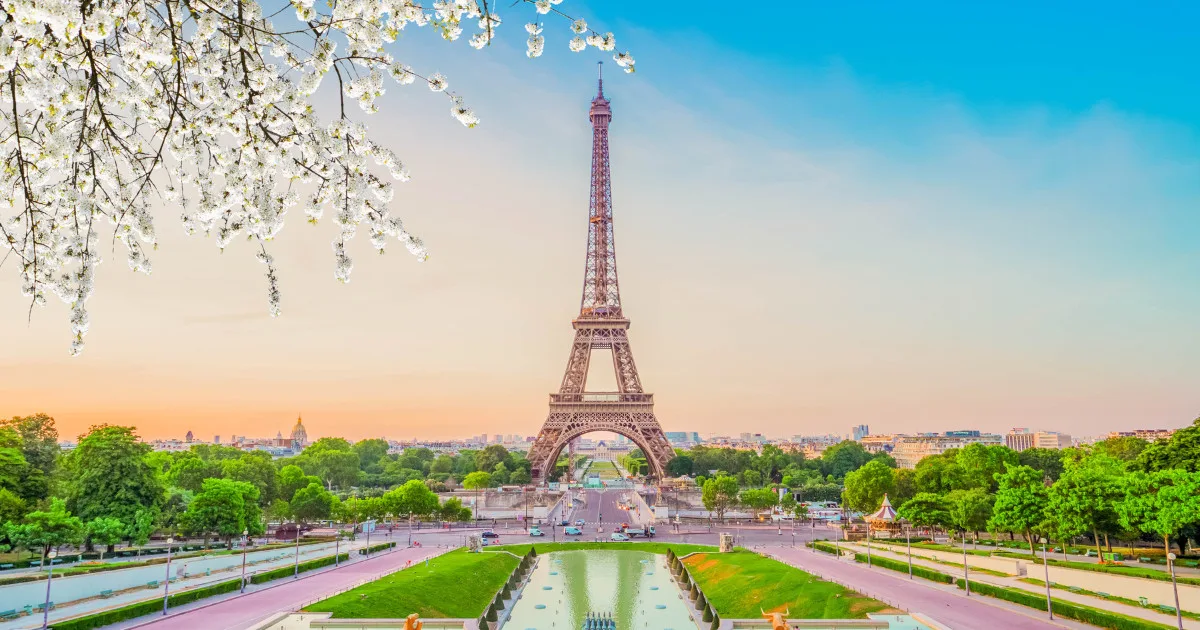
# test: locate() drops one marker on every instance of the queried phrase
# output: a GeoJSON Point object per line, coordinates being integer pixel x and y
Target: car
{"type": "Point", "coordinates": [564, 523]}
{"type": "Point", "coordinates": [573, 531]}
{"type": "Point", "coordinates": [619, 537]}
{"type": "Point", "coordinates": [533, 531]}
{"type": "Point", "coordinates": [490, 534]}
{"type": "Point", "coordinates": [485, 542]}
{"type": "Point", "coordinates": [580, 522]}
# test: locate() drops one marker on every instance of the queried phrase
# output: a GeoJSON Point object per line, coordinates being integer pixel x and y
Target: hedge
{"type": "Point", "coordinates": [259, 578]}
{"type": "Point", "coordinates": [894, 565]}
{"type": "Point", "coordinates": [133, 611]}
{"type": "Point", "coordinates": [1086, 614]}
{"type": "Point", "coordinates": [374, 548]}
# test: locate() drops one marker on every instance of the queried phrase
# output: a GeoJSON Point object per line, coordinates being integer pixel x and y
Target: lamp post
{"type": "Point", "coordinates": [245, 535]}
{"type": "Point", "coordinates": [966, 570]}
{"type": "Point", "coordinates": [368, 525]}
{"type": "Point", "coordinates": [49, 576]}
{"type": "Point", "coordinates": [167, 585]}
{"type": "Point", "coordinates": [296, 570]}
{"type": "Point", "coordinates": [908, 544]}
{"type": "Point", "coordinates": [868, 545]}
{"type": "Point", "coordinates": [1046, 567]}
{"type": "Point", "coordinates": [337, 544]}
{"type": "Point", "coordinates": [1174, 587]}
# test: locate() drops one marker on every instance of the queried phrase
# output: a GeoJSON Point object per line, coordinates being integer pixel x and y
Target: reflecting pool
{"type": "Point", "coordinates": [634, 587]}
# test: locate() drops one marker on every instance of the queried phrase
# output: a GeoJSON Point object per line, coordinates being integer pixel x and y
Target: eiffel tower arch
{"type": "Point", "coordinates": [601, 325]}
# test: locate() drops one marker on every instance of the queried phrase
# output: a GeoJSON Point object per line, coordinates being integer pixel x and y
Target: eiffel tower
{"type": "Point", "coordinates": [601, 324]}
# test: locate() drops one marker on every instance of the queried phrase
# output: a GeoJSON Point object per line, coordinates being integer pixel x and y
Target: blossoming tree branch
{"type": "Point", "coordinates": [107, 105]}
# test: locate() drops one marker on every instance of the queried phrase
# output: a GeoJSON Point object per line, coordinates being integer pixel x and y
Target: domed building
{"type": "Point", "coordinates": [299, 435]}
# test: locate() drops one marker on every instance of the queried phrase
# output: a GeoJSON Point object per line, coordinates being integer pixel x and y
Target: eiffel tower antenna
{"type": "Point", "coordinates": [601, 325]}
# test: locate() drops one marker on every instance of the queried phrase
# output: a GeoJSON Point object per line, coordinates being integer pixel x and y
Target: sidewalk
{"type": "Point", "coordinates": [1139, 612]}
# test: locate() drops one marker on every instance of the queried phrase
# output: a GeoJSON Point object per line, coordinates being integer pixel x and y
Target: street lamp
{"type": "Point", "coordinates": [966, 570]}
{"type": "Point", "coordinates": [337, 544]}
{"type": "Point", "coordinates": [1046, 567]}
{"type": "Point", "coordinates": [868, 545]}
{"type": "Point", "coordinates": [245, 534]}
{"type": "Point", "coordinates": [908, 544]}
{"type": "Point", "coordinates": [367, 525]}
{"type": "Point", "coordinates": [296, 571]}
{"type": "Point", "coordinates": [49, 576]}
{"type": "Point", "coordinates": [1174, 587]}
{"type": "Point", "coordinates": [167, 585]}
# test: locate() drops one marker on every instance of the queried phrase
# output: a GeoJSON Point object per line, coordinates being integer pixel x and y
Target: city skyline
{"type": "Point", "coordinates": [914, 249]}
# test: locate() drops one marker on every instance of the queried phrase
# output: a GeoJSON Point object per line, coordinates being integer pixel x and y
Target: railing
{"type": "Point", "coordinates": [617, 397]}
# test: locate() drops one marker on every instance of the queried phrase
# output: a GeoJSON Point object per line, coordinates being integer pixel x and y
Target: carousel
{"type": "Point", "coordinates": [884, 519]}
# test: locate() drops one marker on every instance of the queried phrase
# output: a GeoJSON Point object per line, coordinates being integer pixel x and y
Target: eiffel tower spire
{"type": "Point", "coordinates": [601, 295]}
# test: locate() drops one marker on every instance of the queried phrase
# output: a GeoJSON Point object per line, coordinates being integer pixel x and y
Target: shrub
{"type": "Point", "coordinates": [259, 578]}
{"type": "Point", "coordinates": [1086, 614]}
{"type": "Point", "coordinates": [374, 548]}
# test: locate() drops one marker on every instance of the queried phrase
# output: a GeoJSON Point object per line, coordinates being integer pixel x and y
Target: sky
{"type": "Point", "coordinates": [915, 218]}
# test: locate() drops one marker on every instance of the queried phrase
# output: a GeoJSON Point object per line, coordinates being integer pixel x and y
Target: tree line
{"type": "Point", "coordinates": [113, 487]}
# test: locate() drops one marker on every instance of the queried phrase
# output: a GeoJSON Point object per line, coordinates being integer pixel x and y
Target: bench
{"type": "Point", "coordinates": [1074, 589]}
{"type": "Point", "coordinates": [41, 607]}
{"type": "Point", "coordinates": [9, 614]}
{"type": "Point", "coordinates": [1091, 553]}
{"type": "Point", "coordinates": [152, 584]}
{"type": "Point", "coordinates": [1103, 594]}
{"type": "Point", "coordinates": [7, 565]}
{"type": "Point", "coordinates": [35, 563]}
{"type": "Point", "coordinates": [106, 594]}
{"type": "Point", "coordinates": [1167, 609]}
{"type": "Point", "coordinates": [1145, 559]}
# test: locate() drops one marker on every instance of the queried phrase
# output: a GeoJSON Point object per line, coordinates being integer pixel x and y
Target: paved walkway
{"type": "Point", "coordinates": [1034, 572]}
{"type": "Point", "coordinates": [948, 607]}
{"type": "Point", "coordinates": [241, 613]}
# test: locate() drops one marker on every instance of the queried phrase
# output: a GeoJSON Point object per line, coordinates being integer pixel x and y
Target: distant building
{"type": "Point", "coordinates": [299, 435]}
{"type": "Point", "coordinates": [683, 437]}
{"type": "Point", "coordinates": [911, 449]}
{"type": "Point", "coordinates": [1051, 439]}
{"type": "Point", "coordinates": [216, 439]}
{"type": "Point", "coordinates": [1019, 439]}
{"type": "Point", "coordinates": [188, 438]}
{"type": "Point", "coordinates": [861, 431]}
{"type": "Point", "coordinates": [601, 450]}
{"type": "Point", "coordinates": [1150, 435]}
{"type": "Point", "coordinates": [879, 443]}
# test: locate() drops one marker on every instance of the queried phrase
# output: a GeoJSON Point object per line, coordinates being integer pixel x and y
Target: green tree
{"type": "Point", "coordinates": [13, 467]}
{"type": "Point", "coordinates": [443, 464]}
{"type": "Point", "coordinates": [759, 499]}
{"type": "Point", "coordinates": [679, 466]}
{"type": "Point", "coordinates": [969, 510]}
{"type": "Point", "coordinates": [138, 531]}
{"type": "Point", "coordinates": [906, 486]}
{"type": "Point", "coordinates": [257, 470]}
{"type": "Point", "coordinates": [106, 532]}
{"type": "Point", "coordinates": [1084, 498]}
{"type": "Point", "coordinates": [477, 481]}
{"type": "Point", "coordinates": [719, 494]}
{"type": "Point", "coordinates": [491, 455]}
{"type": "Point", "coordinates": [1181, 452]}
{"type": "Point", "coordinates": [44, 530]}
{"type": "Point", "coordinates": [926, 509]}
{"type": "Point", "coordinates": [752, 478]}
{"type": "Point", "coordinates": [1020, 502]}
{"type": "Point", "coordinates": [414, 498]}
{"type": "Point", "coordinates": [520, 477]}
{"type": "Point", "coordinates": [866, 487]}
{"type": "Point", "coordinates": [981, 463]}
{"type": "Point", "coordinates": [788, 505]}
{"type": "Point", "coordinates": [371, 453]}
{"type": "Point", "coordinates": [12, 507]}
{"type": "Point", "coordinates": [454, 510]}
{"type": "Point", "coordinates": [940, 474]}
{"type": "Point", "coordinates": [842, 458]}
{"type": "Point", "coordinates": [333, 460]}
{"type": "Point", "coordinates": [110, 477]}
{"type": "Point", "coordinates": [39, 447]}
{"type": "Point", "coordinates": [1048, 461]}
{"type": "Point", "coordinates": [1126, 449]}
{"type": "Point", "coordinates": [312, 503]}
{"type": "Point", "coordinates": [224, 508]}
{"type": "Point", "coordinates": [1162, 503]}
{"type": "Point", "coordinates": [188, 472]}
{"type": "Point", "coordinates": [279, 511]}
{"type": "Point", "coordinates": [292, 478]}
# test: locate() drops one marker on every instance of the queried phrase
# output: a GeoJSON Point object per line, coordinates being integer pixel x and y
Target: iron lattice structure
{"type": "Point", "coordinates": [601, 325]}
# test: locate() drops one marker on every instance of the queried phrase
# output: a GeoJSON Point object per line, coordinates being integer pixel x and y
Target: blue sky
{"type": "Point", "coordinates": [920, 219]}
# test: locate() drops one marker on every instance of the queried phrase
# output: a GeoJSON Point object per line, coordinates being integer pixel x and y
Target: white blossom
{"type": "Point", "coordinates": [208, 106]}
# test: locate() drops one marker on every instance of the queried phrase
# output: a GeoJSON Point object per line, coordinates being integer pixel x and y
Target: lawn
{"type": "Point", "coordinates": [650, 547]}
{"type": "Point", "coordinates": [742, 584]}
{"type": "Point", "coordinates": [458, 584]}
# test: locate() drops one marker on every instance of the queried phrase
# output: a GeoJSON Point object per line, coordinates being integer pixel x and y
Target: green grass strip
{"type": "Point", "coordinates": [133, 611]}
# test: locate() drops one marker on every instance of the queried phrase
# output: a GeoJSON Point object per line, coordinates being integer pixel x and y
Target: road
{"type": "Point", "coordinates": [946, 606]}
{"type": "Point", "coordinates": [239, 613]}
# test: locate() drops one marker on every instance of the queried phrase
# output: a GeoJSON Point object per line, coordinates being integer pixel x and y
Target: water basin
{"type": "Point", "coordinates": [600, 581]}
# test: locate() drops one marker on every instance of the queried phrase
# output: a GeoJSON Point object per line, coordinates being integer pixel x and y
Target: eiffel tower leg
{"type": "Point", "coordinates": [577, 365]}
{"type": "Point", "coordinates": [627, 374]}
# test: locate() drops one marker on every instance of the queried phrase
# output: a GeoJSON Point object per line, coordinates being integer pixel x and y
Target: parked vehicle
{"type": "Point", "coordinates": [533, 531]}
{"type": "Point", "coordinates": [573, 531]}
{"type": "Point", "coordinates": [564, 523]}
{"type": "Point", "coordinates": [490, 534]}
{"type": "Point", "coordinates": [580, 522]}
{"type": "Point", "coordinates": [619, 537]}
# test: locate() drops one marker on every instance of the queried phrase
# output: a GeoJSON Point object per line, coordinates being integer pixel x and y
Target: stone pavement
{"type": "Point", "coordinates": [943, 604]}
{"type": "Point", "coordinates": [246, 611]}
{"type": "Point", "coordinates": [1035, 571]}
